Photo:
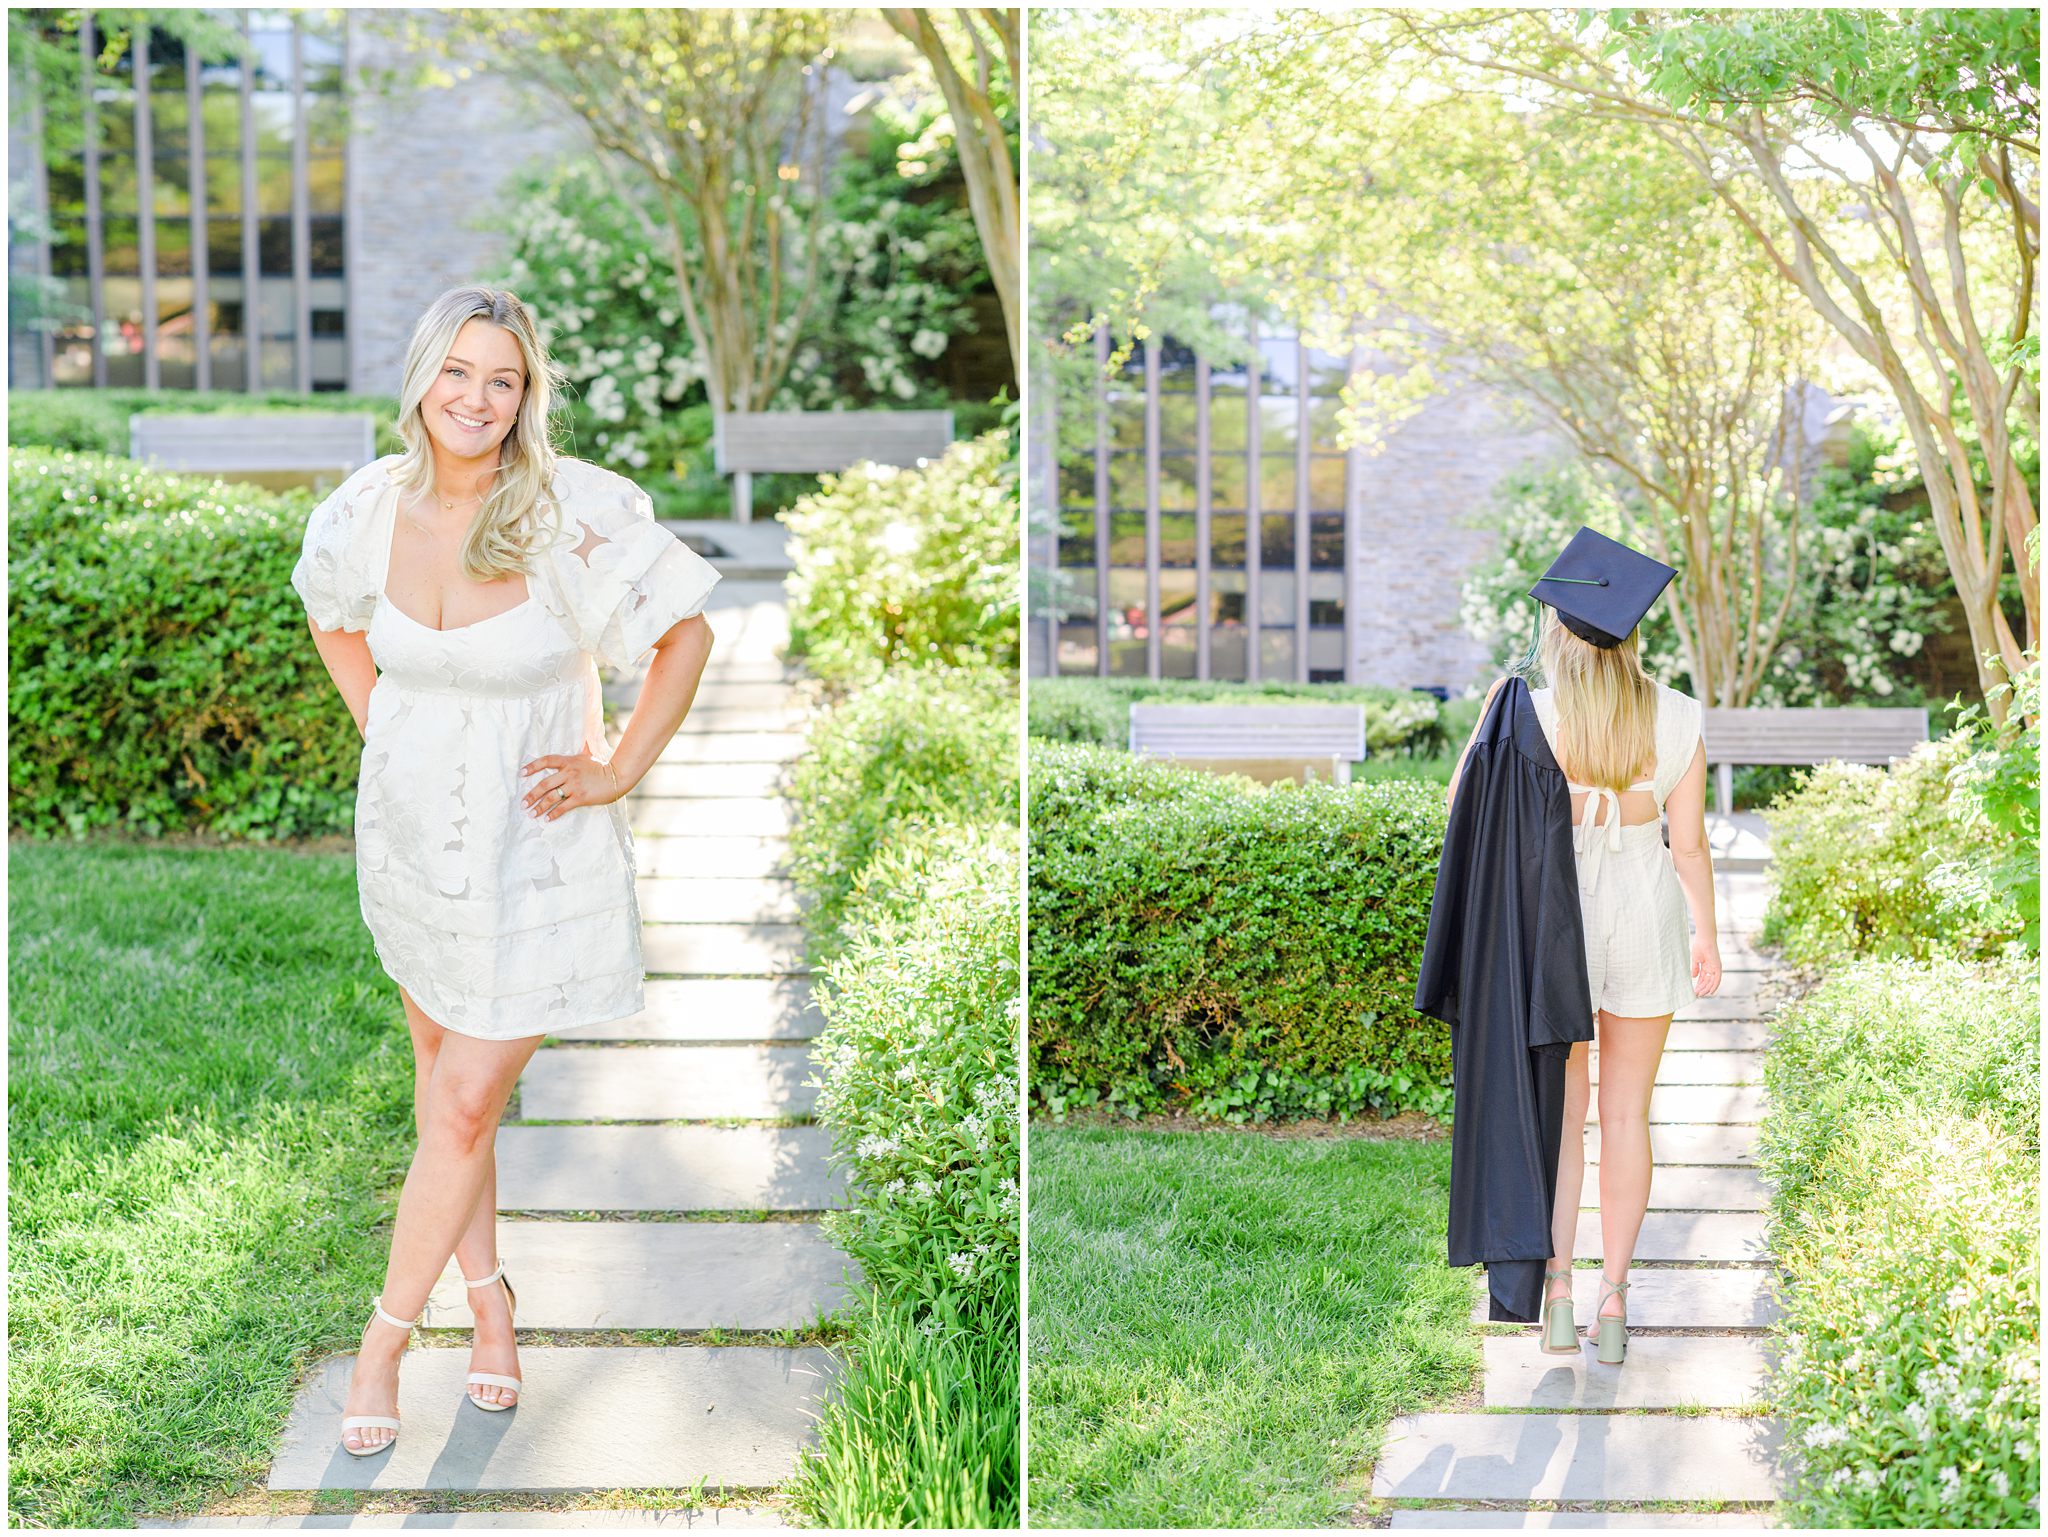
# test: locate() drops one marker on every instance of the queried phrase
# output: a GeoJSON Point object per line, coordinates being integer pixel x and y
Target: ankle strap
{"type": "Point", "coordinates": [377, 1307]}
{"type": "Point", "coordinates": [1612, 1286]}
{"type": "Point", "coordinates": [1552, 1274]}
{"type": "Point", "coordinates": [486, 1281]}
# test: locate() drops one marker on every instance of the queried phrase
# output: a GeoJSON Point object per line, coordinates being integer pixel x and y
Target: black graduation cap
{"type": "Point", "coordinates": [1601, 588]}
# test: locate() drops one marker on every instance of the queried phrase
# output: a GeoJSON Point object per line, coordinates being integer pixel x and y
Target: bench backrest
{"type": "Point", "coordinates": [1852, 734]}
{"type": "Point", "coordinates": [281, 441]}
{"type": "Point", "coordinates": [819, 442]}
{"type": "Point", "coordinates": [1249, 731]}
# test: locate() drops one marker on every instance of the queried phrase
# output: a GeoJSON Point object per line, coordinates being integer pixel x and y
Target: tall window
{"type": "Point", "coordinates": [1202, 516]}
{"type": "Point", "coordinates": [196, 240]}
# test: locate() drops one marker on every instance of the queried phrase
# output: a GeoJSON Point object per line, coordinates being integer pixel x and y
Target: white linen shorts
{"type": "Point", "coordinates": [1638, 935]}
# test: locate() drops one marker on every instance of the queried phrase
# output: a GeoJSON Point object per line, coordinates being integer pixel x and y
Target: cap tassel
{"type": "Point", "coordinates": [1528, 660]}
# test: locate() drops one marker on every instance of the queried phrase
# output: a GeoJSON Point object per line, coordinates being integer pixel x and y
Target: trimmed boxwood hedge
{"type": "Point", "coordinates": [96, 421]}
{"type": "Point", "coordinates": [1201, 943]}
{"type": "Point", "coordinates": [162, 677]}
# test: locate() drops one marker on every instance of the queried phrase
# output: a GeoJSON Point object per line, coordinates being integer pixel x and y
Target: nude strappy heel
{"type": "Point", "coordinates": [494, 1379]}
{"type": "Point", "coordinates": [1613, 1331]}
{"type": "Point", "coordinates": [376, 1421]}
{"type": "Point", "coordinates": [1560, 1324]}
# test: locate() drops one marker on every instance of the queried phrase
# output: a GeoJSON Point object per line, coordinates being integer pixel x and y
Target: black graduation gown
{"type": "Point", "coordinates": [1504, 965]}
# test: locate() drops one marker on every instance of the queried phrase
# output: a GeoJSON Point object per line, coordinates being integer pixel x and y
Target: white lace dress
{"type": "Point", "coordinates": [500, 924]}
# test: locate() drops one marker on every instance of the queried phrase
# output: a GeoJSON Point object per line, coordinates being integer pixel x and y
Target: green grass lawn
{"type": "Point", "coordinates": [1223, 1324]}
{"type": "Point", "coordinates": [209, 1096]}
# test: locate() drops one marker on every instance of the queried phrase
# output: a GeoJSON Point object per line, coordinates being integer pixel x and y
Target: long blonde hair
{"type": "Point", "coordinates": [1606, 705]}
{"type": "Point", "coordinates": [504, 536]}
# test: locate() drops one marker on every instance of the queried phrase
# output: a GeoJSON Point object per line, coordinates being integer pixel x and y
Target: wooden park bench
{"type": "Point", "coordinates": [1848, 734]}
{"type": "Point", "coordinates": [320, 444]}
{"type": "Point", "coordinates": [1299, 736]}
{"type": "Point", "coordinates": [749, 443]}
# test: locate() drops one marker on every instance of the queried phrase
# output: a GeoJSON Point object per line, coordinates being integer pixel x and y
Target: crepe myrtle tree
{"type": "Point", "coordinates": [1887, 166]}
{"type": "Point", "coordinates": [975, 57]}
{"type": "Point", "coordinates": [710, 124]}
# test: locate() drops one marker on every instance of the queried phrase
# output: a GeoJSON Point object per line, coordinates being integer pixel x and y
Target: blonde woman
{"type": "Point", "coordinates": [461, 595]}
{"type": "Point", "coordinates": [1633, 758]}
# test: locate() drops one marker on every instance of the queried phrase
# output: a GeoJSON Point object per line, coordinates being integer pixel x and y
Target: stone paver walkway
{"type": "Point", "coordinates": [657, 1173]}
{"type": "Point", "coordinates": [1678, 1421]}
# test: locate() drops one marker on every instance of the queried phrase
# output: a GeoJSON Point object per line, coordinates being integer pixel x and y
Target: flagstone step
{"type": "Point", "coordinates": [1680, 1188]}
{"type": "Point", "coordinates": [717, 899]}
{"type": "Point", "coordinates": [689, 745]}
{"type": "Point", "coordinates": [1661, 1372]}
{"type": "Point", "coordinates": [1715, 1237]}
{"type": "Point", "coordinates": [723, 949]}
{"type": "Point", "coordinates": [1501, 1456]}
{"type": "Point", "coordinates": [1702, 1067]}
{"type": "Point", "coordinates": [697, 780]}
{"type": "Point", "coordinates": [1645, 1520]}
{"type": "Point", "coordinates": [1741, 984]}
{"type": "Point", "coordinates": [1702, 1103]}
{"type": "Point", "coordinates": [666, 1083]}
{"type": "Point", "coordinates": [1739, 953]}
{"type": "Point", "coordinates": [721, 691]}
{"type": "Point", "coordinates": [591, 1417]}
{"type": "Point", "coordinates": [718, 858]}
{"type": "Point", "coordinates": [1691, 1297]}
{"type": "Point", "coordinates": [1679, 1143]}
{"type": "Point", "coordinates": [707, 720]}
{"type": "Point", "coordinates": [725, 817]}
{"type": "Point", "coordinates": [687, 1518]}
{"type": "Point", "coordinates": [715, 1009]}
{"type": "Point", "coordinates": [1709, 1034]}
{"type": "Point", "coordinates": [661, 1275]}
{"type": "Point", "coordinates": [667, 1168]}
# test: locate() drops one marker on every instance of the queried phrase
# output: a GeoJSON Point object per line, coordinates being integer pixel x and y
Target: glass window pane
{"type": "Point", "coordinates": [326, 114]}
{"type": "Point", "coordinates": [1276, 653]}
{"type": "Point", "coordinates": [224, 246]}
{"type": "Point", "coordinates": [67, 248]}
{"type": "Point", "coordinates": [123, 251]}
{"type": "Point", "coordinates": [223, 306]}
{"type": "Point", "coordinates": [1276, 482]}
{"type": "Point", "coordinates": [167, 118]}
{"type": "Point", "coordinates": [1077, 650]}
{"type": "Point", "coordinates": [66, 182]}
{"type": "Point", "coordinates": [1326, 597]}
{"type": "Point", "coordinates": [274, 310]}
{"type": "Point", "coordinates": [1227, 417]}
{"type": "Point", "coordinates": [116, 119]}
{"type": "Point", "coordinates": [1226, 599]}
{"type": "Point", "coordinates": [173, 186]}
{"type": "Point", "coordinates": [1176, 422]}
{"type": "Point", "coordinates": [280, 365]}
{"type": "Point", "coordinates": [174, 247]}
{"type": "Point", "coordinates": [73, 340]}
{"type": "Point", "coordinates": [1177, 539]}
{"type": "Point", "coordinates": [220, 119]}
{"type": "Point", "coordinates": [1326, 482]}
{"type": "Point", "coordinates": [1276, 548]}
{"type": "Point", "coordinates": [1326, 541]}
{"type": "Point", "coordinates": [1077, 482]}
{"type": "Point", "coordinates": [1227, 655]}
{"type": "Point", "coordinates": [274, 247]}
{"type": "Point", "coordinates": [1276, 599]}
{"type": "Point", "coordinates": [117, 185]}
{"type": "Point", "coordinates": [223, 184]}
{"type": "Point", "coordinates": [1127, 480]}
{"type": "Point", "coordinates": [1177, 482]}
{"type": "Point", "coordinates": [273, 184]}
{"type": "Point", "coordinates": [328, 246]}
{"type": "Point", "coordinates": [1177, 651]}
{"type": "Point", "coordinates": [329, 362]}
{"type": "Point", "coordinates": [1076, 593]}
{"type": "Point", "coordinates": [1326, 656]}
{"type": "Point", "coordinates": [324, 184]}
{"type": "Point", "coordinates": [1226, 540]}
{"type": "Point", "coordinates": [1127, 539]}
{"type": "Point", "coordinates": [1226, 481]}
{"type": "Point", "coordinates": [175, 352]}
{"type": "Point", "coordinates": [1077, 537]}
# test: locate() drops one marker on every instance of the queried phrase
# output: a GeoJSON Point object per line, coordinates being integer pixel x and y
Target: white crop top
{"type": "Point", "coordinates": [1677, 731]}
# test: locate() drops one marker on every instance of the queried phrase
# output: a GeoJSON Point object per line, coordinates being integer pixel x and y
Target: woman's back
{"type": "Point", "coordinates": [1677, 732]}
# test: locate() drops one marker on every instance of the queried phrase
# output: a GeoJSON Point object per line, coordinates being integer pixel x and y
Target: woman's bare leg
{"type": "Point", "coordinates": [493, 1348]}
{"type": "Point", "coordinates": [1571, 1169]}
{"type": "Point", "coordinates": [1630, 1050]}
{"type": "Point", "coordinates": [465, 1094]}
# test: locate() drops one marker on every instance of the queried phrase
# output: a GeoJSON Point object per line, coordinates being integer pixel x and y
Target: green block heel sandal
{"type": "Point", "coordinates": [1560, 1325]}
{"type": "Point", "coordinates": [376, 1421]}
{"type": "Point", "coordinates": [1613, 1331]}
{"type": "Point", "coordinates": [494, 1379]}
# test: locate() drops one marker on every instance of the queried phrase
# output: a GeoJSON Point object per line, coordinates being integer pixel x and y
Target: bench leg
{"type": "Point", "coordinates": [743, 496]}
{"type": "Point", "coordinates": [1724, 788]}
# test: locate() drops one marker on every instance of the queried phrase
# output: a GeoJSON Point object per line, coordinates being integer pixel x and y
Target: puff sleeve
{"type": "Point", "coordinates": [335, 577]}
{"type": "Point", "coordinates": [616, 578]}
{"type": "Point", "coordinates": [1678, 729]}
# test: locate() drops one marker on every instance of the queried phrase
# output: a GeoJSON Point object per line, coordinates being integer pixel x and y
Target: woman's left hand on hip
{"type": "Point", "coordinates": [567, 782]}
